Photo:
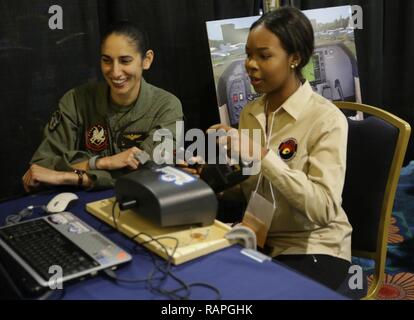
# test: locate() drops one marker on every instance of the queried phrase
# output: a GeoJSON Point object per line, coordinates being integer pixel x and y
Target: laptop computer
{"type": "Point", "coordinates": [45, 253]}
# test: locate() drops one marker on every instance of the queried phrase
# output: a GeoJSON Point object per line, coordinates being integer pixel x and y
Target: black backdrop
{"type": "Point", "coordinates": [37, 65]}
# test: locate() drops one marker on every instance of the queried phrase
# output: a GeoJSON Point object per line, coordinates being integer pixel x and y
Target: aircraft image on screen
{"type": "Point", "coordinates": [332, 71]}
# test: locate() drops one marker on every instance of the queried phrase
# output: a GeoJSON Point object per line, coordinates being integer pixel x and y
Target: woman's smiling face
{"type": "Point", "coordinates": [122, 66]}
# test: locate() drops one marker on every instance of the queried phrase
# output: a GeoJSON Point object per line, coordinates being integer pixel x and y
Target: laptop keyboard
{"type": "Point", "coordinates": [42, 246]}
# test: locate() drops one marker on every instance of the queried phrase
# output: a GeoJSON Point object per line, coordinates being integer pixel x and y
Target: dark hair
{"type": "Point", "coordinates": [136, 36]}
{"type": "Point", "coordinates": [294, 31]}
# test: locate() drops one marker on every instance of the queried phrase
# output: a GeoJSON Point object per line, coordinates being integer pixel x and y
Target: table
{"type": "Point", "coordinates": [237, 276]}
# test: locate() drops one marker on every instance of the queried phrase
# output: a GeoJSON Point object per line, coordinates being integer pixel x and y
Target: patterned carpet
{"type": "Point", "coordinates": [399, 278]}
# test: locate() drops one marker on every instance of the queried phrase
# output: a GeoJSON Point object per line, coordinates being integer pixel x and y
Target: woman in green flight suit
{"type": "Point", "coordinates": [99, 128]}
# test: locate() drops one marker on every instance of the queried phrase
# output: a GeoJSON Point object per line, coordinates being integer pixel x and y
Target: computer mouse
{"type": "Point", "coordinates": [60, 202]}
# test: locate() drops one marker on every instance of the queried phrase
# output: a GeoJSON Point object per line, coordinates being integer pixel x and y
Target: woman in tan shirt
{"type": "Point", "coordinates": [303, 163]}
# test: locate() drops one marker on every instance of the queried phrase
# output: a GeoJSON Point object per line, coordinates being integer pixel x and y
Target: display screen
{"type": "Point", "coordinates": [308, 71]}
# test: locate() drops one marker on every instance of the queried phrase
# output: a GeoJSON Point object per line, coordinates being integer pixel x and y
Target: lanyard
{"type": "Point", "coordinates": [268, 136]}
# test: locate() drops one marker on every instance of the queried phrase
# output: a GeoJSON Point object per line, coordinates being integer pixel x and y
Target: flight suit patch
{"type": "Point", "coordinates": [55, 120]}
{"type": "Point", "coordinates": [96, 138]}
{"type": "Point", "coordinates": [287, 149]}
{"type": "Point", "coordinates": [128, 140]}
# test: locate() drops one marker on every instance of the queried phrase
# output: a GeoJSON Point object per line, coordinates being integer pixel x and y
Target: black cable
{"type": "Point", "coordinates": [22, 214]}
{"type": "Point", "coordinates": [206, 285]}
{"type": "Point", "coordinates": [49, 293]}
{"type": "Point", "coordinates": [111, 274]}
{"type": "Point", "coordinates": [104, 225]}
{"type": "Point", "coordinates": [157, 267]}
{"type": "Point", "coordinates": [167, 272]}
{"type": "Point", "coordinates": [149, 278]}
{"type": "Point", "coordinates": [164, 268]}
{"type": "Point", "coordinates": [113, 214]}
{"type": "Point", "coordinates": [143, 243]}
{"type": "Point", "coordinates": [169, 256]}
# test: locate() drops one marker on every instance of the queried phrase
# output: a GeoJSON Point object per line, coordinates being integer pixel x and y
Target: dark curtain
{"type": "Point", "coordinates": [385, 49]}
{"type": "Point", "coordinates": [39, 65]}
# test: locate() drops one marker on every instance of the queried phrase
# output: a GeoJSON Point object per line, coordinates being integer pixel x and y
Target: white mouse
{"type": "Point", "coordinates": [60, 202]}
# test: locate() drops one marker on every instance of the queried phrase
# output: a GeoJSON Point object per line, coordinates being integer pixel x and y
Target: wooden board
{"type": "Point", "coordinates": [193, 242]}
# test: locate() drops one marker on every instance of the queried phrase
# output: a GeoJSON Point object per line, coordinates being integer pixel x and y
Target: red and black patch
{"type": "Point", "coordinates": [96, 138]}
{"type": "Point", "coordinates": [287, 149]}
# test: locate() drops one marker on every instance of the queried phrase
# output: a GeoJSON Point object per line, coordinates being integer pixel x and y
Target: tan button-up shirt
{"type": "Point", "coordinates": [306, 167]}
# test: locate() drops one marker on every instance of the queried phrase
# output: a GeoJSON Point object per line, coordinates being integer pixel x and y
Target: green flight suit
{"type": "Point", "coordinates": [88, 124]}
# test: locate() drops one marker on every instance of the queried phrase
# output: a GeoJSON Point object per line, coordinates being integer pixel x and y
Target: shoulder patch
{"type": "Point", "coordinates": [287, 149]}
{"type": "Point", "coordinates": [96, 138]}
{"type": "Point", "coordinates": [55, 120]}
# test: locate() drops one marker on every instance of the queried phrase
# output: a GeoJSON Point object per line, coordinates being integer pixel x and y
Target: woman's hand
{"type": "Point", "coordinates": [198, 161]}
{"type": "Point", "coordinates": [125, 159]}
{"type": "Point", "coordinates": [240, 144]}
{"type": "Point", "coordinates": [37, 175]}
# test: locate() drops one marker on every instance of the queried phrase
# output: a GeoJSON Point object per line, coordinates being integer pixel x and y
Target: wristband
{"type": "Point", "coordinates": [80, 174]}
{"type": "Point", "coordinates": [92, 162]}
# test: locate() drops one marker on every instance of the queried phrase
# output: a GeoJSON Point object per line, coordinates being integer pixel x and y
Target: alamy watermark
{"type": "Point", "coordinates": [356, 280]}
{"type": "Point", "coordinates": [233, 147]}
{"type": "Point", "coordinates": [357, 17]}
{"type": "Point", "coordinates": [56, 280]}
{"type": "Point", "coordinates": [56, 20]}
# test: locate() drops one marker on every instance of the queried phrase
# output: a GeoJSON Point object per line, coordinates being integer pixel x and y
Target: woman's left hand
{"type": "Point", "coordinates": [234, 141]}
{"type": "Point", "coordinates": [198, 161]}
{"type": "Point", "coordinates": [36, 175]}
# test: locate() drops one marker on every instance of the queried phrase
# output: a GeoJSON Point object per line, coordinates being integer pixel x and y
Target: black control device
{"type": "Point", "coordinates": [222, 176]}
{"type": "Point", "coordinates": [167, 196]}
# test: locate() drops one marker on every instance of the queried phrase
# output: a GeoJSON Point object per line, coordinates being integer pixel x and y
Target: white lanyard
{"type": "Point", "coordinates": [268, 135]}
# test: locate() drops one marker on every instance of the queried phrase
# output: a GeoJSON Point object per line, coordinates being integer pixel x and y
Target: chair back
{"type": "Point", "coordinates": [376, 151]}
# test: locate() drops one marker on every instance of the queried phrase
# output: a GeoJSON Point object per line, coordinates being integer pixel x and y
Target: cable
{"type": "Point", "coordinates": [164, 268]}
{"type": "Point", "coordinates": [113, 214]}
{"type": "Point", "coordinates": [111, 274]}
{"type": "Point", "coordinates": [22, 214]}
{"type": "Point", "coordinates": [206, 285]}
{"type": "Point", "coordinates": [167, 272]}
{"type": "Point", "coordinates": [150, 278]}
{"type": "Point", "coordinates": [49, 293]}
